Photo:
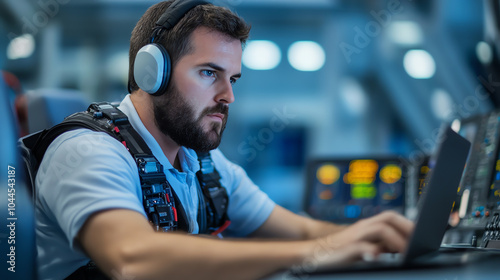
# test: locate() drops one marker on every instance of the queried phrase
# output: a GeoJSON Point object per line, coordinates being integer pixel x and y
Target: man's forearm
{"type": "Point", "coordinates": [175, 256]}
{"type": "Point", "coordinates": [282, 223]}
{"type": "Point", "coordinates": [318, 229]}
{"type": "Point", "coordinates": [122, 241]}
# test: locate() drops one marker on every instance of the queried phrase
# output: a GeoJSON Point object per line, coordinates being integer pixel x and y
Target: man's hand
{"type": "Point", "coordinates": [389, 230]}
{"type": "Point", "coordinates": [386, 232]}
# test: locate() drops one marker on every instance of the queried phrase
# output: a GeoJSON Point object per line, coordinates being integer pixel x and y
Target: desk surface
{"type": "Point", "coordinates": [485, 269]}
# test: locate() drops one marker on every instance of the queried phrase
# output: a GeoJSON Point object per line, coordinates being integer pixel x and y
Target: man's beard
{"type": "Point", "coordinates": [176, 119]}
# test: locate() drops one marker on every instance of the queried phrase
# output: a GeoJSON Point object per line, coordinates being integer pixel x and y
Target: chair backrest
{"type": "Point", "coordinates": [48, 107]}
{"type": "Point", "coordinates": [17, 237]}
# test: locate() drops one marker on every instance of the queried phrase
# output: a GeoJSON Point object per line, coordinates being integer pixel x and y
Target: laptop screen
{"type": "Point", "coordinates": [437, 198]}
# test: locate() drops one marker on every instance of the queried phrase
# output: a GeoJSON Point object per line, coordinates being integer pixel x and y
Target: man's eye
{"type": "Point", "coordinates": [208, 73]}
{"type": "Point", "coordinates": [233, 81]}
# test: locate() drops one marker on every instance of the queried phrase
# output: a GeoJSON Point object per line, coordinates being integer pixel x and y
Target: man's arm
{"type": "Point", "coordinates": [285, 224]}
{"type": "Point", "coordinates": [122, 241]}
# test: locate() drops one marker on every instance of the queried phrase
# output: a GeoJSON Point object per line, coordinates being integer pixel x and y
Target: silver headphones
{"type": "Point", "coordinates": [152, 65]}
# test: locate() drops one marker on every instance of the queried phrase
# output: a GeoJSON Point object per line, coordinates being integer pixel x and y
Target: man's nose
{"type": "Point", "coordinates": [225, 94]}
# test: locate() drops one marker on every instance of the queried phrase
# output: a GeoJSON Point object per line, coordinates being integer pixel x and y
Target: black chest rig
{"type": "Point", "coordinates": [161, 204]}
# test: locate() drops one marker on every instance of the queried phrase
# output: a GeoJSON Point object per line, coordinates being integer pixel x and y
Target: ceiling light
{"type": "Point", "coordinates": [441, 104]}
{"type": "Point", "coordinates": [261, 55]}
{"type": "Point", "coordinates": [419, 64]}
{"type": "Point", "coordinates": [484, 52]}
{"type": "Point", "coordinates": [21, 47]}
{"type": "Point", "coordinates": [354, 96]}
{"type": "Point", "coordinates": [405, 33]}
{"type": "Point", "coordinates": [306, 56]}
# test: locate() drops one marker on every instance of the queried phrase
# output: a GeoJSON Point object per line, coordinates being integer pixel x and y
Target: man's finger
{"type": "Point", "coordinates": [395, 220]}
{"type": "Point", "coordinates": [388, 238]}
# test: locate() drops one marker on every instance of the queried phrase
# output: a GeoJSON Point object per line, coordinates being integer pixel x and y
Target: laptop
{"type": "Point", "coordinates": [434, 209]}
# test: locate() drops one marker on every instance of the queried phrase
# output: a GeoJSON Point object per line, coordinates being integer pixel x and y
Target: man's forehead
{"type": "Point", "coordinates": [213, 47]}
{"type": "Point", "coordinates": [203, 31]}
{"type": "Point", "coordinates": [203, 37]}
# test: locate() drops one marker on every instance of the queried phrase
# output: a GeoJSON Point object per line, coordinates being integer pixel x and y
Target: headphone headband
{"type": "Point", "coordinates": [176, 11]}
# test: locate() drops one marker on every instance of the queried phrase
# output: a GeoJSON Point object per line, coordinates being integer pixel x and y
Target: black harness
{"type": "Point", "coordinates": [161, 204]}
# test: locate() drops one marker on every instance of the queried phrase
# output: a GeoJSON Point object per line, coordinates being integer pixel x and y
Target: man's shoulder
{"type": "Point", "coordinates": [85, 142]}
{"type": "Point", "coordinates": [83, 137]}
{"type": "Point", "coordinates": [84, 151]}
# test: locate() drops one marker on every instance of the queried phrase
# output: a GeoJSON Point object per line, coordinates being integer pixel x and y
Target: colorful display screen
{"type": "Point", "coordinates": [348, 190]}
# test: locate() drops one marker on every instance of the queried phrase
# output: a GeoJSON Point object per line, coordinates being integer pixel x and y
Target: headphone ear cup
{"type": "Point", "coordinates": [152, 69]}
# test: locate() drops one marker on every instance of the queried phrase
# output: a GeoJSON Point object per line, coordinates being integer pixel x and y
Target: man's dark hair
{"type": "Point", "coordinates": [177, 40]}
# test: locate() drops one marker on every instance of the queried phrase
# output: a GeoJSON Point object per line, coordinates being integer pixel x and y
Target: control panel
{"type": "Point", "coordinates": [491, 237]}
{"type": "Point", "coordinates": [475, 215]}
{"type": "Point", "coordinates": [346, 190]}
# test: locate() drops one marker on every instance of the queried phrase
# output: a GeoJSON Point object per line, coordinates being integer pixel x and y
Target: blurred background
{"type": "Point", "coordinates": [321, 78]}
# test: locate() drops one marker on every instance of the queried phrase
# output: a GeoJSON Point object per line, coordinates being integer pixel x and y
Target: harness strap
{"type": "Point", "coordinates": [217, 198]}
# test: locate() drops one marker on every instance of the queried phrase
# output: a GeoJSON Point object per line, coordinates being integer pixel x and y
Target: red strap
{"type": "Point", "coordinates": [175, 213]}
{"type": "Point", "coordinates": [222, 228]}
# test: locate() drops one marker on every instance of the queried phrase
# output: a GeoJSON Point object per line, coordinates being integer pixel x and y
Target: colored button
{"type": "Point", "coordinates": [352, 211]}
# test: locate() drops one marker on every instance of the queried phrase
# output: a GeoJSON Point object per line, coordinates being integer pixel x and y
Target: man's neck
{"type": "Point", "coordinates": [144, 107]}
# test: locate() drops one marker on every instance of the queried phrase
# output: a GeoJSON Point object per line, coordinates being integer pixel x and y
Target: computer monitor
{"type": "Point", "coordinates": [346, 190]}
